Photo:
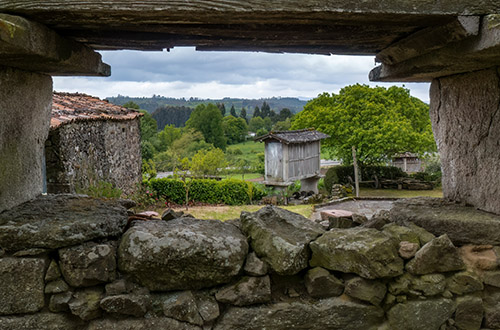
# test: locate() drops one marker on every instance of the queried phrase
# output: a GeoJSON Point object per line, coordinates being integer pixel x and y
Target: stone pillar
{"type": "Point", "coordinates": [310, 184]}
{"type": "Point", "coordinates": [466, 122]}
{"type": "Point", "coordinates": [25, 105]}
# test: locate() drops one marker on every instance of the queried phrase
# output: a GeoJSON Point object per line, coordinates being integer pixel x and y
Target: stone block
{"type": "Point", "coordinates": [281, 238]}
{"type": "Point", "coordinates": [321, 284]}
{"type": "Point", "coordinates": [247, 291]}
{"type": "Point", "coordinates": [186, 253]}
{"type": "Point", "coordinates": [372, 291]}
{"type": "Point", "coordinates": [254, 266]}
{"type": "Point", "coordinates": [40, 321]}
{"type": "Point", "coordinates": [364, 251]}
{"type": "Point", "coordinates": [88, 264]}
{"type": "Point", "coordinates": [85, 303]}
{"type": "Point", "coordinates": [469, 313]}
{"type": "Point", "coordinates": [141, 324]}
{"type": "Point", "coordinates": [126, 304]}
{"type": "Point", "coordinates": [22, 285]}
{"type": "Point", "coordinates": [182, 307]}
{"type": "Point", "coordinates": [420, 314]}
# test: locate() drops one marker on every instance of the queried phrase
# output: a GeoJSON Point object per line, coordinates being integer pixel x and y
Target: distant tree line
{"type": "Point", "coordinates": [172, 115]}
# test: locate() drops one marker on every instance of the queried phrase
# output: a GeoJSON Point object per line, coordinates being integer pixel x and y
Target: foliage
{"type": "Point", "coordinates": [235, 129]}
{"type": "Point", "coordinates": [379, 122]}
{"type": "Point", "coordinates": [147, 150]}
{"type": "Point", "coordinates": [148, 169]}
{"type": "Point", "coordinates": [340, 174]}
{"type": "Point", "coordinates": [143, 196]}
{"type": "Point", "coordinates": [208, 120]}
{"type": "Point", "coordinates": [259, 165]}
{"type": "Point", "coordinates": [230, 191]}
{"type": "Point", "coordinates": [243, 114]}
{"type": "Point", "coordinates": [131, 105]}
{"type": "Point", "coordinates": [189, 143]}
{"type": "Point", "coordinates": [432, 169]}
{"type": "Point", "coordinates": [283, 125]}
{"type": "Point", "coordinates": [208, 162]}
{"type": "Point", "coordinates": [255, 124]}
{"type": "Point", "coordinates": [166, 137]}
{"type": "Point", "coordinates": [232, 112]}
{"type": "Point", "coordinates": [222, 108]}
{"type": "Point", "coordinates": [172, 115]}
{"type": "Point", "coordinates": [101, 189]}
{"type": "Point", "coordinates": [148, 126]}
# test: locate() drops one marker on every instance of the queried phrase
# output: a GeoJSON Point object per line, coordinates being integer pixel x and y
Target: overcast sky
{"type": "Point", "coordinates": [184, 72]}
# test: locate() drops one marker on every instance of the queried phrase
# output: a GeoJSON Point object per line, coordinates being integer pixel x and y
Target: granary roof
{"type": "Point", "coordinates": [71, 107]}
{"type": "Point", "coordinates": [406, 155]}
{"type": "Point", "coordinates": [298, 136]}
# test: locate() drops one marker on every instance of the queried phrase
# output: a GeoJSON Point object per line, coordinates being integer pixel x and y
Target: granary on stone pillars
{"type": "Point", "coordinates": [408, 162]}
{"type": "Point", "coordinates": [292, 156]}
{"type": "Point", "coordinates": [91, 140]}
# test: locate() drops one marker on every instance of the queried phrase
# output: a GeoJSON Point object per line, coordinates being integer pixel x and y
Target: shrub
{"type": "Point", "coordinates": [340, 174]}
{"type": "Point", "coordinates": [229, 191]}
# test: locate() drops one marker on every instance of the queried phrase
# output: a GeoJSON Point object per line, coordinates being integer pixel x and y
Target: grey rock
{"type": "Point", "coordinates": [281, 238]}
{"type": "Point", "coordinates": [184, 253]}
{"type": "Point", "coordinates": [491, 301]}
{"type": "Point", "coordinates": [182, 307]}
{"type": "Point", "coordinates": [86, 303]}
{"type": "Point", "coordinates": [420, 314]}
{"type": "Point", "coordinates": [247, 291]}
{"type": "Point", "coordinates": [31, 252]}
{"type": "Point", "coordinates": [57, 286]}
{"type": "Point", "coordinates": [55, 221]}
{"type": "Point", "coordinates": [40, 321]}
{"type": "Point", "coordinates": [424, 236]}
{"type": "Point", "coordinates": [208, 308]}
{"type": "Point", "coordinates": [123, 286]}
{"type": "Point", "coordinates": [141, 324]}
{"type": "Point", "coordinates": [427, 285]}
{"type": "Point", "coordinates": [88, 264]}
{"type": "Point", "coordinates": [464, 282]}
{"type": "Point", "coordinates": [408, 250]}
{"type": "Point", "coordinates": [469, 313]}
{"type": "Point", "coordinates": [170, 214]}
{"type": "Point", "coordinates": [53, 273]}
{"type": "Point", "coordinates": [378, 220]}
{"type": "Point", "coordinates": [401, 233]}
{"type": "Point", "coordinates": [372, 291]}
{"type": "Point", "coordinates": [127, 203]}
{"type": "Point", "coordinates": [437, 256]}
{"type": "Point", "coordinates": [254, 266]}
{"type": "Point", "coordinates": [491, 278]}
{"type": "Point", "coordinates": [321, 284]}
{"type": "Point", "coordinates": [328, 313]}
{"type": "Point", "coordinates": [364, 251]}
{"type": "Point", "coordinates": [22, 285]}
{"type": "Point", "coordinates": [463, 224]}
{"type": "Point", "coordinates": [126, 304]}
{"type": "Point", "coordinates": [59, 302]}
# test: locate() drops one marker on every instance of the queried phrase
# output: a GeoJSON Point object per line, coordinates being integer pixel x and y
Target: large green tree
{"type": "Point", "coordinates": [379, 122]}
{"type": "Point", "coordinates": [208, 120]}
{"type": "Point", "coordinates": [235, 129]}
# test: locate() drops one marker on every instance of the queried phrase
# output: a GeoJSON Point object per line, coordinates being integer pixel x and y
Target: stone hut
{"type": "Point", "coordinates": [91, 140]}
{"type": "Point", "coordinates": [291, 156]}
{"type": "Point", "coordinates": [408, 162]}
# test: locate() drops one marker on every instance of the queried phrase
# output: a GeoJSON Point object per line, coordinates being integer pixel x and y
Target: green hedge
{"type": "Point", "coordinates": [340, 174]}
{"type": "Point", "coordinates": [229, 191]}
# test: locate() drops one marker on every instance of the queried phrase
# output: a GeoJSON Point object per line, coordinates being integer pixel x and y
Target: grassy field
{"type": "Point", "coordinates": [249, 150]}
{"type": "Point", "coordinates": [394, 193]}
{"type": "Point", "coordinates": [232, 212]}
{"type": "Point", "coordinates": [246, 176]}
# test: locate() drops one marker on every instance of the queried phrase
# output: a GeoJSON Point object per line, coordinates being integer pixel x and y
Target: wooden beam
{"type": "Point", "coordinates": [33, 47]}
{"type": "Point", "coordinates": [430, 39]}
{"type": "Point", "coordinates": [130, 8]}
{"type": "Point", "coordinates": [472, 54]}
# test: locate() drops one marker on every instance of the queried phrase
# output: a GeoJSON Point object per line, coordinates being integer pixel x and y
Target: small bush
{"type": "Point", "coordinates": [340, 174]}
{"type": "Point", "coordinates": [101, 189]}
{"type": "Point", "coordinates": [229, 191]}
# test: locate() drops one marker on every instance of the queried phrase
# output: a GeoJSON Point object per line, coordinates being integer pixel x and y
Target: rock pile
{"type": "Point", "coordinates": [272, 269]}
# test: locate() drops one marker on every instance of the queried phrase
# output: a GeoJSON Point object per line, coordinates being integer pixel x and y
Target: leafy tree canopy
{"type": "Point", "coordinates": [131, 105]}
{"type": "Point", "coordinates": [148, 126]}
{"type": "Point", "coordinates": [208, 162]}
{"type": "Point", "coordinates": [255, 124]}
{"type": "Point", "coordinates": [232, 112]}
{"type": "Point", "coordinates": [208, 120]}
{"type": "Point", "coordinates": [379, 122]}
{"type": "Point", "coordinates": [235, 129]}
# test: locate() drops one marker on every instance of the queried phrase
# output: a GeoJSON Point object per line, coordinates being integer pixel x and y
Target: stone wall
{"type": "Point", "coordinates": [80, 154]}
{"type": "Point", "coordinates": [71, 262]}
{"type": "Point", "coordinates": [25, 100]}
{"type": "Point", "coordinates": [466, 123]}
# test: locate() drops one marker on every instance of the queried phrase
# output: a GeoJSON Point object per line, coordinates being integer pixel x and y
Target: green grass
{"type": "Point", "coordinates": [249, 150]}
{"type": "Point", "coordinates": [394, 193]}
{"type": "Point", "coordinates": [232, 212]}
{"type": "Point", "coordinates": [246, 176]}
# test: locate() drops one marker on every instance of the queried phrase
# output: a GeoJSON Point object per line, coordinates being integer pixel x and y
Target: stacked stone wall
{"type": "Point", "coordinates": [72, 262]}
{"type": "Point", "coordinates": [82, 153]}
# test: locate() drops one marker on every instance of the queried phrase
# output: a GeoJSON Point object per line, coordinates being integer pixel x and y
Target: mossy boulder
{"type": "Point", "coordinates": [182, 254]}
{"type": "Point", "coordinates": [281, 238]}
{"type": "Point", "coordinates": [364, 251]}
{"type": "Point", "coordinates": [420, 314]}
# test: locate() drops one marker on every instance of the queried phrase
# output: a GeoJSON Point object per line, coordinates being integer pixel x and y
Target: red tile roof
{"type": "Point", "coordinates": [72, 107]}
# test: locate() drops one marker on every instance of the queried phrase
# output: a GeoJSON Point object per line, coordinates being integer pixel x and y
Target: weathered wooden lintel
{"type": "Point", "coordinates": [472, 54]}
{"type": "Point", "coordinates": [31, 46]}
